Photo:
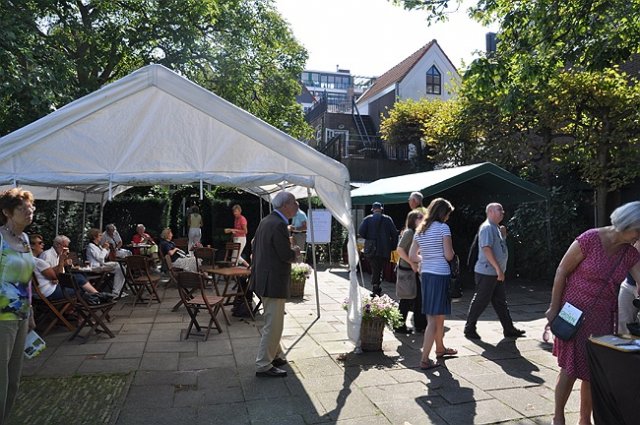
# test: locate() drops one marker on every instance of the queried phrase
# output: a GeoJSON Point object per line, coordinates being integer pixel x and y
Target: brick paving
{"type": "Point", "coordinates": [174, 381]}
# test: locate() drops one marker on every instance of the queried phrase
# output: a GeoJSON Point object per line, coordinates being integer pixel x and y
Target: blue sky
{"type": "Point", "coordinates": [369, 37]}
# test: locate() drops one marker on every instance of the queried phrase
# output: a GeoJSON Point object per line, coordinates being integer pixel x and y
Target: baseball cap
{"type": "Point", "coordinates": [377, 206]}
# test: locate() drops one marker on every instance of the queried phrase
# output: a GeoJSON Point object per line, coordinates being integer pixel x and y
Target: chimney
{"type": "Point", "coordinates": [490, 41]}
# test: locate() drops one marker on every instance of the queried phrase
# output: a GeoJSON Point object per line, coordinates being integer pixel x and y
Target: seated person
{"type": "Point", "coordinates": [141, 237]}
{"type": "Point", "coordinates": [112, 237]}
{"type": "Point", "coordinates": [97, 255]}
{"type": "Point", "coordinates": [178, 257]}
{"type": "Point", "coordinates": [58, 256]}
{"type": "Point", "coordinates": [48, 276]}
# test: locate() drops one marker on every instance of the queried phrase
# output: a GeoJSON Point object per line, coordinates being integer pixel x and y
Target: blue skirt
{"type": "Point", "coordinates": [435, 294]}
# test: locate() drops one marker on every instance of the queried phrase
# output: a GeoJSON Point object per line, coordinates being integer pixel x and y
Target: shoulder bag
{"type": "Point", "coordinates": [406, 286]}
{"type": "Point", "coordinates": [569, 319]}
{"type": "Point", "coordinates": [370, 245]}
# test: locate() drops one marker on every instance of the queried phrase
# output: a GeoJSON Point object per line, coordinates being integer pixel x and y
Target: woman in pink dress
{"type": "Point", "coordinates": [589, 277]}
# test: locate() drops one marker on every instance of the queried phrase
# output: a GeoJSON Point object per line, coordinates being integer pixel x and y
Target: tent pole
{"type": "Point", "coordinates": [313, 250]}
{"type": "Point", "coordinates": [57, 210]}
{"type": "Point", "coordinates": [102, 213]}
{"type": "Point", "coordinates": [84, 220]}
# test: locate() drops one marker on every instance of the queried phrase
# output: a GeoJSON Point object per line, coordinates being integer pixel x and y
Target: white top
{"type": "Point", "coordinates": [431, 245]}
{"type": "Point", "coordinates": [51, 257]}
{"type": "Point", "coordinates": [46, 286]}
{"type": "Point", "coordinates": [96, 255]}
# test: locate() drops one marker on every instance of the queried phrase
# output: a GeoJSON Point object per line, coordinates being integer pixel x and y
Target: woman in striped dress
{"type": "Point", "coordinates": [433, 248]}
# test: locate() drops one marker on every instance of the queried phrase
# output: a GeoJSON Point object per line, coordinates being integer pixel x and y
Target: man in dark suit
{"type": "Point", "coordinates": [271, 271]}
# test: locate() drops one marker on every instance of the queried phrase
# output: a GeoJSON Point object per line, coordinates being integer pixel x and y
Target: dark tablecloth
{"type": "Point", "coordinates": [615, 385]}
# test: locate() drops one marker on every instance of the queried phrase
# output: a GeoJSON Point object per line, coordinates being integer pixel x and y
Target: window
{"type": "Point", "coordinates": [434, 81]}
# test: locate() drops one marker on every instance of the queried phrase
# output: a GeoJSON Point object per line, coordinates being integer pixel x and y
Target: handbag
{"type": "Point", "coordinates": [406, 287]}
{"type": "Point", "coordinates": [569, 319]}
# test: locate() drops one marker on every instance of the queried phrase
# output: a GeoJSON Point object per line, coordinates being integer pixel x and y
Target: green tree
{"type": "Point", "coordinates": [55, 51]}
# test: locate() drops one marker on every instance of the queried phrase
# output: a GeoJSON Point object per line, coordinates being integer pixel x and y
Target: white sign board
{"type": "Point", "coordinates": [321, 226]}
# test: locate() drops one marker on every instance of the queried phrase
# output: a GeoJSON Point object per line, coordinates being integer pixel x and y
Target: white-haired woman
{"type": "Point", "coordinates": [589, 277]}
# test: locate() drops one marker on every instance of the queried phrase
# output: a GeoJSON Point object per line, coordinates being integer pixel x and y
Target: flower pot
{"type": "Point", "coordinates": [296, 290]}
{"type": "Point", "coordinates": [371, 331]}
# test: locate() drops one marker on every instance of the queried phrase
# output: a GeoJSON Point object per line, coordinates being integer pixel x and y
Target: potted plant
{"type": "Point", "coordinates": [377, 312]}
{"type": "Point", "coordinates": [299, 274]}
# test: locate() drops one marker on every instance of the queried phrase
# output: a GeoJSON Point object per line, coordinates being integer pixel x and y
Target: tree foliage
{"type": "Point", "coordinates": [55, 51]}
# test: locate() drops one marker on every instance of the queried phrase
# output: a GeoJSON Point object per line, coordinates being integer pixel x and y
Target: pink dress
{"type": "Point", "coordinates": [584, 285]}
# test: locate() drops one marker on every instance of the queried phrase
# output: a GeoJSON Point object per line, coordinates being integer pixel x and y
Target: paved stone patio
{"type": "Point", "coordinates": [178, 381]}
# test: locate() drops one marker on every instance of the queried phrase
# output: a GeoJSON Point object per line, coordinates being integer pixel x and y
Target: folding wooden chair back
{"type": "Point", "coordinates": [140, 279]}
{"type": "Point", "coordinates": [93, 316]}
{"type": "Point", "coordinates": [190, 283]}
{"type": "Point", "coordinates": [173, 277]}
{"type": "Point", "coordinates": [206, 259]}
{"type": "Point", "coordinates": [182, 243]}
{"type": "Point", "coordinates": [231, 255]}
{"type": "Point", "coordinates": [49, 312]}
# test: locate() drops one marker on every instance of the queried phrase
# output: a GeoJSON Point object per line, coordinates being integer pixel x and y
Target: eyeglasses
{"type": "Point", "coordinates": [26, 208]}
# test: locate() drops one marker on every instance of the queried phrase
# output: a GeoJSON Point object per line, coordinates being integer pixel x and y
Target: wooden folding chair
{"type": "Point", "coordinates": [141, 280]}
{"type": "Point", "coordinates": [52, 310]}
{"type": "Point", "coordinates": [231, 255]}
{"type": "Point", "coordinates": [188, 283]}
{"type": "Point", "coordinates": [206, 262]}
{"type": "Point", "coordinates": [173, 277]}
{"type": "Point", "coordinates": [92, 316]}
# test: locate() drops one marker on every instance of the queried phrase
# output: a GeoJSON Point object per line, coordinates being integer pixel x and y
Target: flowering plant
{"type": "Point", "coordinates": [383, 307]}
{"type": "Point", "coordinates": [300, 271]}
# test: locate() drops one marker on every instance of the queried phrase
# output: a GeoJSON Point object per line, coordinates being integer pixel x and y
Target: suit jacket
{"type": "Point", "coordinates": [272, 258]}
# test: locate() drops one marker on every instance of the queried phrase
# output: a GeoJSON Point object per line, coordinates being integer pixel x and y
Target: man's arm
{"type": "Point", "coordinates": [488, 252]}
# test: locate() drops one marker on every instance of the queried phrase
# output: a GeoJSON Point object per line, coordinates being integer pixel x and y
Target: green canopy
{"type": "Point", "coordinates": [482, 183]}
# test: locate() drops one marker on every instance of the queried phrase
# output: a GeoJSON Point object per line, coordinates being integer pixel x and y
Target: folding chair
{"type": "Point", "coordinates": [231, 255]}
{"type": "Point", "coordinates": [93, 316]}
{"type": "Point", "coordinates": [206, 262]}
{"type": "Point", "coordinates": [188, 283]}
{"type": "Point", "coordinates": [52, 310]}
{"type": "Point", "coordinates": [140, 279]}
{"type": "Point", "coordinates": [173, 277]}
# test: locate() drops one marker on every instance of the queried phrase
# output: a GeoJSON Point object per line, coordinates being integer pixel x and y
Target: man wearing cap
{"type": "Point", "coordinates": [381, 234]}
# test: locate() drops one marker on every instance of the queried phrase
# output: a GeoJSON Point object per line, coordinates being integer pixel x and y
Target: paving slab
{"type": "Point", "coordinates": [180, 380]}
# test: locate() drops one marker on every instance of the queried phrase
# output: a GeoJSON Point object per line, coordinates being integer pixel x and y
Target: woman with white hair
{"type": "Point", "coordinates": [588, 277]}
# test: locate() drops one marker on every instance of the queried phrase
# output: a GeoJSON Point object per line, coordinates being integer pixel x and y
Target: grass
{"type": "Point", "coordinates": [75, 400]}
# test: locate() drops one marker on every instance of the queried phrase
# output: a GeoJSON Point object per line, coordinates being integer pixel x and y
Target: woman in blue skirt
{"type": "Point", "coordinates": [433, 248]}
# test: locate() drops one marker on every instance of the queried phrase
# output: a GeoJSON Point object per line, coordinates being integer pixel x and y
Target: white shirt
{"type": "Point", "coordinates": [46, 286]}
{"type": "Point", "coordinates": [50, 256]}
{"type": "Point", "coordinates": [96, 255]}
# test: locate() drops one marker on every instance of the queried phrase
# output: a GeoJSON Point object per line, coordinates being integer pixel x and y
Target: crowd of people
{"type": "Point", "coordinates": [598, 275]}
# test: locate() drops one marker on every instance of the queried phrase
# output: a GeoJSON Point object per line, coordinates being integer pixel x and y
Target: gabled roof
{"type": "Point", "coordinates": [479, 182]}
{"type": "Point", "coordinates": [398, 72]}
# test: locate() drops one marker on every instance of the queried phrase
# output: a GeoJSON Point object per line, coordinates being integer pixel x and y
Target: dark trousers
{"type": "Point", "coordinates": [488, 289]}
{"type": "Point", "coordinates": [414, 305]}
{"type": "Point", "coordinates": [377, 264]}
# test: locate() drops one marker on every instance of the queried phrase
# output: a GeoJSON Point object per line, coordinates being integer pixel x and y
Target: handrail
{"type": "Point", "coordinates": [362, 129]}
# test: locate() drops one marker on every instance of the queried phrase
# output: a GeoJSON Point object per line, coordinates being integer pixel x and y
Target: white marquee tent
{"type": "Point", "coordinates": [156, 127]}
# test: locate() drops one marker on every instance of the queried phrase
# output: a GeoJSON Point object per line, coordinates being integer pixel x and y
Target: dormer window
{"type": "Point", "coordinates": [434, 81]}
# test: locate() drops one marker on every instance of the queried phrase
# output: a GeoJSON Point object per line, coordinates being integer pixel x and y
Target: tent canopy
{"type": "Point", "coordinates": [156, 127]}
{"type": "Point", "coordinates": [478, 182]}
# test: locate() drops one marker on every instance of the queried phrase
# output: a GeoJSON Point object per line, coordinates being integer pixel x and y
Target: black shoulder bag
{"type": "Point", "coordinates": [371, 245]}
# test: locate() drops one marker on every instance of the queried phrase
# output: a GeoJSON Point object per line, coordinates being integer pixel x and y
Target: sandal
{"type": "Point", "coordinates": [429, 364]}
{"type": "Point", "coordinates": [448, 352]}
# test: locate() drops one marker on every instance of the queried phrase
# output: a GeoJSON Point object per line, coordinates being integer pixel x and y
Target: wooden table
{"type": "Point", "coordinates": [230, 274]}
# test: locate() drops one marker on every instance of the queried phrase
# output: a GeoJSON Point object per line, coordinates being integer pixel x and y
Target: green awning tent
{"type": "Point", "coordinates": [478, 183]}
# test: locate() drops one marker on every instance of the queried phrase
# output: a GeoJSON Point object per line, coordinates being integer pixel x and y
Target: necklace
{"type": "Point", "coordinates": [25, 245]}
